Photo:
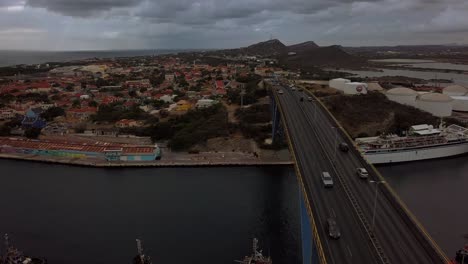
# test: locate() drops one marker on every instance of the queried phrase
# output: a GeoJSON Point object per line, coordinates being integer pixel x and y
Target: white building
{"type": "Point", "coordinates": [203, 103]}
{"type": "Point", "coordinates": [460, 103]}
{"type": "Point", "coordinates": [402, 95]}
{"type": "Point", "coordinates": [355, 88]}
{"type": "Point", "coordinates": [6, 114]}
{"type": "Point", "coordinates": [435, 103]}
{"type": "Point", "coordinates": [338, 84]}
{"type": "Point", "coordinates": [167, 98]}
{"type": "Point", "coordinates": [455, 90]}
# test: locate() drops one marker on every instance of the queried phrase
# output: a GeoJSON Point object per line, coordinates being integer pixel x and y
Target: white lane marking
{"type": "Point", "coordinates": [349, 250]}
{"type": "Point", "coordinates": [329, 250]}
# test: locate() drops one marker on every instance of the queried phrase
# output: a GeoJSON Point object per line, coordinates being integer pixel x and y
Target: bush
{"type": "Point", "coordinates": [32, 133]}
{"type": "Point", "coordinates": [52, 113]}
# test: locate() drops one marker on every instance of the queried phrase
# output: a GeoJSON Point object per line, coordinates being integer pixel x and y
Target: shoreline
{"type": "Point", "coordinates": [144, 164]}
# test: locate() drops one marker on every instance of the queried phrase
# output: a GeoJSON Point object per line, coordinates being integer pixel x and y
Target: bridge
{"type": "Point", "coordinates": [376, 226]}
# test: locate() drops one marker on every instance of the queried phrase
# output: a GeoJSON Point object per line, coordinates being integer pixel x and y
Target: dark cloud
{"type": "Point", "coordinates": [228, 23]}
{"type": "Point", "coordinates": [81, 8]}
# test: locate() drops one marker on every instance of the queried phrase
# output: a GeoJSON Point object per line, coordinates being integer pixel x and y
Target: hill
{"type": "Point", "coordinates": [302, 47]}
{"type": "Point", "coordinates": [332, 56]}
{"type": "Point", "coordinates": [270, 48]}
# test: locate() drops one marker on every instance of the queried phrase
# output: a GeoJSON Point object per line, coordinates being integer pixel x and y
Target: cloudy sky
{"type": "Point", "coordinates": [153, 24]}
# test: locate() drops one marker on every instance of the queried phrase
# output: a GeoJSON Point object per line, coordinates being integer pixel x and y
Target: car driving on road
{"type": "Point", "coordinates": [362, 173]}
{"type": "Point", "coordinates": [333, 230]}
{"type": "Point", "coordinates": [327, 179]}
{"type": "Point", "coordinates": [344, 147]}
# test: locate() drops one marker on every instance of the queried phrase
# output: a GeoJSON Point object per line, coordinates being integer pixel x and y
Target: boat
{"type": "Point", "coordinates": [141, 258]}
{"type": "Point", "coordinates": [422, 142]}
{"type": "Point", "coordinates": [256, 257]}
{"type": "Point", "coordinates": [12, 255]}
{"type": "Point", "coordinates": [461, 256]}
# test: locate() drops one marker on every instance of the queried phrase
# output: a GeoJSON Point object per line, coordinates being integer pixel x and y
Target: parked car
{"type": "Point", "coordinates": [344, 147]}
{"type": "Point", "coordinates": [362, 173]}
{"type": "Point", "coordinates": [302, 99]}
{"type": "Point", "coordinates": [327, 179]}
{"type": "Point", "coordinates": [281, 92]}
{"type": "Point", "coordinates": [333, 229]}
{"type": "Point", "coordinates": [309, 98]}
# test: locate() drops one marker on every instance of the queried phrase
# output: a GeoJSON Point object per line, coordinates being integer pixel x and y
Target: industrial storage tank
{"type": "Point", "coordinates": [402, 95]}
{"type": "Point", "coordinates": [460, 103]}
{"type": "Point", "coordinates": [338, 84]}
{"type": "Point", "coordinates": [435, 103]}
{"type": "Point", "coordinates": [455, 90]}
{"type": "Point", "coordinates": [355, 88]}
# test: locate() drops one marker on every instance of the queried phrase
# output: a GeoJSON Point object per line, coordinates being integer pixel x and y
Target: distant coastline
{"type": "Point", "coordinates": [17, 57]}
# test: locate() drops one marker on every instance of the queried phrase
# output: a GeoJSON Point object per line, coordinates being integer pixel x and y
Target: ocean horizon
{"type": "Point", "coordinates": [16, 57]}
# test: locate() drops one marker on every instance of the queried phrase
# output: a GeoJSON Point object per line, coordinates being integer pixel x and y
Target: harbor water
{"type": "Point", "coordinates": [195, 215]}
{"type": "Point", "coordinates": [80, 215]}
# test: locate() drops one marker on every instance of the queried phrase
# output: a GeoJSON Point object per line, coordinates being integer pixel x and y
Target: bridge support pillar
{"type": "Point", "coordinates": [309, 250]}
{"type": "Point", "coordinates": [277, 126]}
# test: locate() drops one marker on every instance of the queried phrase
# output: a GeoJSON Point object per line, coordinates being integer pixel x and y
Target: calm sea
{"type": "Point", "coordinates": [8, 57]}
{"type": "Point", "coordinates": [186, 215]}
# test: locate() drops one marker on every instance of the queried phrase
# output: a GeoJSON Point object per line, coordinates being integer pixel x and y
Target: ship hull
{"type": "Point", "coordinates": [414, 154]}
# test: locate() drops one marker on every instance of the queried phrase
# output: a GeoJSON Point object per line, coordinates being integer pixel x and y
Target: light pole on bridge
{"type": "Point", "coordinates": [336, 144]}
{"type": "Point", "coordinates": [375, 201]}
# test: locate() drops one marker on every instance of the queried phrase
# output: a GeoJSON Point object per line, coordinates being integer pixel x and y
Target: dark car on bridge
{"type": "Point", "coordinates": [344, 147]}
{"type": "Point", "coordinates": [333, 230]}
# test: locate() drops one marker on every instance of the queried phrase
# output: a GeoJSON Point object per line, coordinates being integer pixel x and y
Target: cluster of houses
{"type": "Point", "coordinates": [162, 83]}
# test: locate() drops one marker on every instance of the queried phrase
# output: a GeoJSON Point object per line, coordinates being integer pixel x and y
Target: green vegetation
{"type": "Point", "coordinates": [192, 128]}
{"type": "Point", "coordinates": [252, 91]}
{"type": "Point", "coordinates": [254, 114]}
{"type": "Point", "coordinates": [5, 130]}
{"type": "Point", "coordinates": [52, 113]}
{"type": "Point", "coordinates": [116, 111]}
{"type": "Point", "coordinates": [373, 114]}
{"type": "Point", "coordinates": [32, 133]}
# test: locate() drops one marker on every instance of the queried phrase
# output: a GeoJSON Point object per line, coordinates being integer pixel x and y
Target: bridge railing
{"type": "Point", "coordinates": [408, 217]}
{"type": "Point", "coordinates": [315, 234]}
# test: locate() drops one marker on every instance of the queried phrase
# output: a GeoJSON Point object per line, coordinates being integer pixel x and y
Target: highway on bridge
{"type": "Point", "coordinates": [314, 138]}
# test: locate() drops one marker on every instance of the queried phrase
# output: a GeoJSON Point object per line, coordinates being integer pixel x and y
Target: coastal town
{"type": "Point", "coordinates": [203, 108]}
{"type": "Point", "coordinates": [136, 109]}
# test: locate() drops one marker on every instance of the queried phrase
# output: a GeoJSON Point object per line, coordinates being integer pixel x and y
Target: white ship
{"type": "Point", "coordinates": [422, 142]}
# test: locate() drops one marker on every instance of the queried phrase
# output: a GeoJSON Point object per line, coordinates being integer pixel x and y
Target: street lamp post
{"type": "Point", "coordinates": [336, 144]}
{"type": "Point", "coordinates": [375, 201]}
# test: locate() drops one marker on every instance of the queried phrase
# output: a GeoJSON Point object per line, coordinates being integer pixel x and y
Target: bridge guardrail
{"type": "Point", "coordinates": [357, 208]}
{"type": "Point", "coordinates": [318, 243]}
{"type": "Point", "coordinates": [422, 235]}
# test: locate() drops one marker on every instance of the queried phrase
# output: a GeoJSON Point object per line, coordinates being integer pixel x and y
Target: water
{"type": "Point", "coordinates": [435, 191]}
{"type": "Point", "coordinates": [9, 57]}
{"type": "Point", "coordinates": [430, 64]}
{"type": "Point", "coordinates": [461, 79]}
{"type": "Point", "coordinates": [204, 215]}
{"type": "Point", "coordinates": [401, 61]}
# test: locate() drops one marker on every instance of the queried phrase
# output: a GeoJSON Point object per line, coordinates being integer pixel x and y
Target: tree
{"type": "Point", "coordinates": [5, 130]}
{"type": "Point", "coordinates": [132, 93]}
{"type": "Point", "coordinates": [93, 103]}
{"type": "Point", "coordinates": [76, 103]}
{"type": "Point", "coordinates": [52, 113]}
{"type": "Point", "coordinates": [32, 133]}
{"type": "Point", "coordinates": [69, 88]}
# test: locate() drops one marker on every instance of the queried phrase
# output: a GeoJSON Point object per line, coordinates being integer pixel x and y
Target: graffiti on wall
{"type": "Point", "coordinates": [54, 153]}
